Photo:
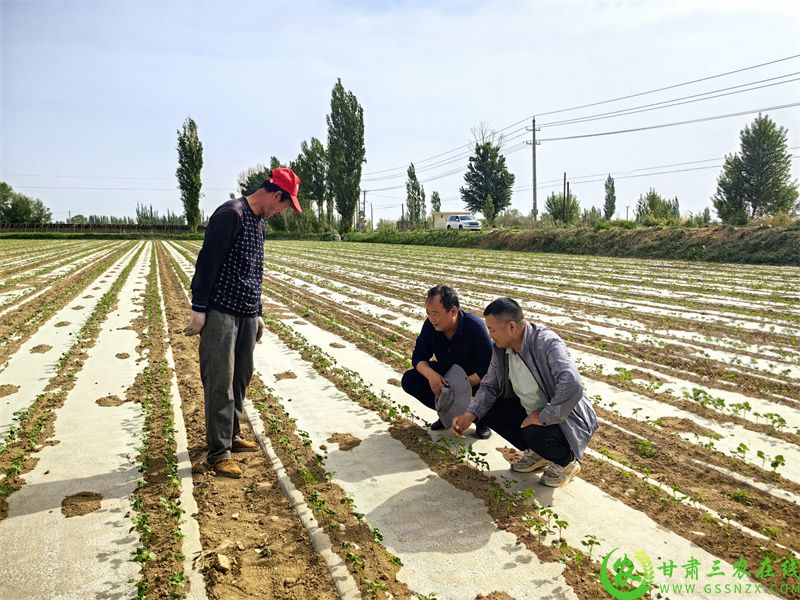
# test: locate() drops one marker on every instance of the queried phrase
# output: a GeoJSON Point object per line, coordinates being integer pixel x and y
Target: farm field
{"type": "Point", "coordinates": [694, 371]}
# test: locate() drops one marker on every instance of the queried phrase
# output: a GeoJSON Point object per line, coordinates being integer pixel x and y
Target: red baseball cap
{"type": "Point", "coordinates": [289, 182]}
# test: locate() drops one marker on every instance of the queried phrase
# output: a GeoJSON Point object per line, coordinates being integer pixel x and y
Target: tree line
{"type": "Point", "coordinates": [755, 182]}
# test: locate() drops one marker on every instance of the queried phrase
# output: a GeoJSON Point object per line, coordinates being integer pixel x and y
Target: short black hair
{"type": "Point", "coordinates": [447, 296]}
{"type": "Point", "coordinates": [271, 187]}
{"type": "Point", "coordinates": [504, 309]}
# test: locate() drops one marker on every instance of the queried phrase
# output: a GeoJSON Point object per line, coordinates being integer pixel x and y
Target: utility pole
{"type": "Point", "coordinates": [533, 143]}
{"type": "Point", "coordinates": [626, 212]}
{"type": "Point", "coordinates": [364, 207]}
{"type": "Point", "coordinates": [564, 196]}
{"type": "Point", "coordinates": [371, 218]}
{"type": "Point", "coordinates": [567, 207]}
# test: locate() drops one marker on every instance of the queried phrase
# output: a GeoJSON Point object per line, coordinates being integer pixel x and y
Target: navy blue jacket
{"type": "Point", "coordinates": [470, 348]}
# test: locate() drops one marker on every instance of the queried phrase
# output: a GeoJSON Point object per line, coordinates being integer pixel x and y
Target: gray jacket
{"type": "Point", "coordinates": [547, 358]}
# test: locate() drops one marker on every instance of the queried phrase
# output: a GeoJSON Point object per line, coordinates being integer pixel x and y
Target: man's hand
{"type": "Point", "coordinates": [532, 419]}
{"type": "Point", "coordinates": [436, 382]}
{"type": "Point", "coordinates": [260, 331]}
{"type": "Point", "coordinates": [474, 380]}
{"type": "Point", "coordinates": [462, 422]}
{"type": "Point", "coordinates": [196, 324]}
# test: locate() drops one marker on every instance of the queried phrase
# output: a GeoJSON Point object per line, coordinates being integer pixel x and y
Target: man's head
{"type": "Point", "coordinates": [277, 193]}
{"type": "Point", "coordinates": [505, 322]}
{"type": "Point", "coordinates": [442, 307]}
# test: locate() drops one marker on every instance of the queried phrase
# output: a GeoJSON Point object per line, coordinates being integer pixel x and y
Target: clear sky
{"type": "Point", "coordinates": [94, 92]}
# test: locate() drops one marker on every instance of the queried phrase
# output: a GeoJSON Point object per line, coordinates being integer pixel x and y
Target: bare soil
{"type": "Point", "coordinates": [8, 389]}
{"type": "Point", "coordinates": [80, 504]}
{"type": "Point", "coordinates": [346, 441]}
{"type": "Point", "coordinates": [109, 401]}
{"type": "Point", "coordinates": [285, 375]}
{"type": "Point", "coordinates": [512, 455]}
{"type": "Point", "coordinates": [679, 425]}
{"type": "Point", "coordinates": [494, 596]}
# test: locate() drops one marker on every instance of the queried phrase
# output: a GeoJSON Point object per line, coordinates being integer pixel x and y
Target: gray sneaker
{"type": "Point", "coordinates": [556, 476]}
{"type": "Point", "coordinates": [529, 462]}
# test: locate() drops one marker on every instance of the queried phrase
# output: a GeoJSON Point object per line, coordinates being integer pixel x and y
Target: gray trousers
{"type": "Point", "coordinates": [226, 366]}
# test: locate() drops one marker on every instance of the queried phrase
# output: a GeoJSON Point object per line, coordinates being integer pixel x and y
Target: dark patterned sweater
{"type": "Point", "coordinates": [230, 265]}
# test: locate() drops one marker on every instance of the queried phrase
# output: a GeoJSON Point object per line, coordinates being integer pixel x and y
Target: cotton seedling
{"type": "Point", "coordinates": [562, 524]}
{"type": "Point", "coordinates": [536, 526]}
{"type": "Point", "coordinates": [645, 448]}
{"type": "Point", "coordinates": [777, 462]}
{"type": "Point", "coordinates": [741, 496]}
{"type": "Point", "coordinates": [741, 450]}
{"type": "Point", "coordinates": [741, 407]}
{"type": "Point", "coordinates": [777, 421]}
{"type": "Point", "coordinates": [172, 507]}
{"type": "Point", "coordinates": [771, 532]}
{"type": "Point", "coordinates": [142, 555]}
{"type": "Point", "coordinates": [355, 561]}
{"type": "Point", "coordinates": [373, 587]}
{"type": "Point", "coordinates": [377, 536]}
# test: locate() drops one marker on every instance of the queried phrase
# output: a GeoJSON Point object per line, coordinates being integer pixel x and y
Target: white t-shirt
{"type": "Point", "coordinates": [525, 386]}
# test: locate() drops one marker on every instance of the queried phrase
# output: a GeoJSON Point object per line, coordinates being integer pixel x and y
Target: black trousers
{"type": "Point", "coordinates": [548, 441]}
{"type": "Point", "coordinates": [416, 385]}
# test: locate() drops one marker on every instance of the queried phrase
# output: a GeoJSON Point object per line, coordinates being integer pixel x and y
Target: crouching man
{"type": "Point", "coordinates": [453, 337]}
{"type": "Point", "coordinates": [532, 396]}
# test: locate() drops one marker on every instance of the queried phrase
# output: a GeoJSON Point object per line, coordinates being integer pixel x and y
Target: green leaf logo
{"type": "Point", "coordinates": [624, 575]}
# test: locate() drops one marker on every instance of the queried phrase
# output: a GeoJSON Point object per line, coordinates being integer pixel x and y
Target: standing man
{"type": "Point", "coordinates": [226, 310]}
{"type": "Point", "coordinates": [532, 396]}
{"type": "Point", "coordinates": [453, 337]}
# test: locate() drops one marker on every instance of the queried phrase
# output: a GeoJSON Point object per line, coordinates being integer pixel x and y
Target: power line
{"type": "Point", "coordinates": [676, 101]}
{"type": "Point", "coordinates": [628, 171]}
{"type": "Point", "coordinates": [669, 87]}
{"type": "Point", "coordinates": [674, 124]}
{"type": "Point", "coordinates": [110, 189]}
{"type": "Point", "coordinates": [709, 95]}
{"type": "Point", "coordinates": [511, 150]}
{"type": "Point", "coordinates": [619, 174]}
{"type": "Point", "coordinates": [447, 161]}
{"type": "Point", "coordinates": [599, 103]}
{"type": "Point", "coordinates": [106, 177]}
{"type": "Point", "coordinates": [648, 174]}
{"type": "Point", "coordinates": [451, 200]}
{"type": "Point", "coordinates": [625, 172]}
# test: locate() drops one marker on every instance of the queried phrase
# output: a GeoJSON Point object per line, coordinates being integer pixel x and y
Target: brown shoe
{"type": "Point", "coordinates": [240, 445]}
{"type": "Point", "coordinates": [226, 468]}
